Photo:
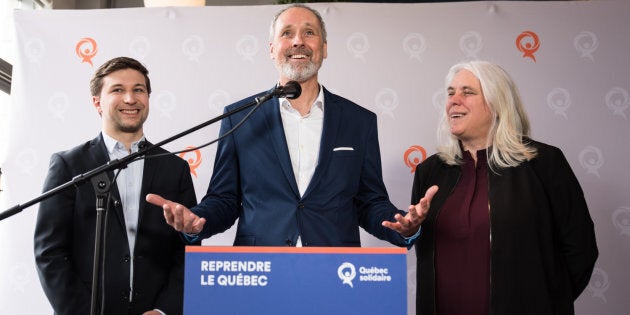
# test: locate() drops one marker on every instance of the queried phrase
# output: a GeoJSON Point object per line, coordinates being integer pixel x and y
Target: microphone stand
{"type": "Point", "coordinates": [102, 183]}
{"type": "Point", "coordinates": [122, 163]}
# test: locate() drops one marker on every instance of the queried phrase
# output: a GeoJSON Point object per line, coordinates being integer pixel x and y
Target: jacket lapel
{"type": "Point", "coordinates": [279, 141]}
{"type": "Point", "coordinates": [332, 123]}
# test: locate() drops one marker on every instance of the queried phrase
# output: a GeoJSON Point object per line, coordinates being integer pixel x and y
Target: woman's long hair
{"type": "Point", "coordinates": [507, 138]}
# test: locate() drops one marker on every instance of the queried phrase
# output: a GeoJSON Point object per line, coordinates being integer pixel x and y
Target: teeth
{"type": "Point", "coordinates": [298, 56]}
{"type": "Point", "coordinates": [457, 115]}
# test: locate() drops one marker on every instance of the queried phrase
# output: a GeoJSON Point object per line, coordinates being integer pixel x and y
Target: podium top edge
{"type": "Point", "coordinates": [295, 250]}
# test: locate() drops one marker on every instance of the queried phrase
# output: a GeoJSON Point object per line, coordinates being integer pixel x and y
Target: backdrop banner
{"type": "Point", "coordinates": [568, 58]}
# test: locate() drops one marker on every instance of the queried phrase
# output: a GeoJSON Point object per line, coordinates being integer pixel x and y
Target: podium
{"type": "Point", "coordinates": [295, 280]}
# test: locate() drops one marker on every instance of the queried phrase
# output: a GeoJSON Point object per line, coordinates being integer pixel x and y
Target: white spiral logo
{"type": "Point", "coordinates": [218, 100]}
{"type": "Point", "coordinates": [58, 105]}
{"type": "Point", "coordinates": [387, 101]}
{"type": "Point", "coordinates": [34, 49]}
{"type": "Point", "coordinates": [414, 45]}
{"type": "Point", "coordinates": [586, 43]}
{"type": "Point", "coordinates": [165, 102]}
{"type": "Point", "coordinates": [559, 101]}
{"type": "Point", "coordinates": [358, 45]}
{"type": "Point", "coordinates": [621, 220]}
{"type": "Point", "coordinates": [140, 47]}
{"type": "Point", "coordinates": [193, 47]}
{"type": "Point", "coordinates": [347, 273]}
{"type": "Point", "coordinates": [591, 159]}
{"type": "Point", "coordinates": [247, 47]}
{"type": "Point", "coordinates": [599, 283]}
{"type": "Point", "coordinates": [471, 44]}
{"type": "Point", "coordinates": [26, 161]}
{"type": "Point", "coordinates": [618, 101]}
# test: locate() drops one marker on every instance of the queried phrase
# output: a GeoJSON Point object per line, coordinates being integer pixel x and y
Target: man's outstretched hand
{"type": "Point", "coordinates": [409, 224]}
{"type": "Point", "coordinates": [178, 216]}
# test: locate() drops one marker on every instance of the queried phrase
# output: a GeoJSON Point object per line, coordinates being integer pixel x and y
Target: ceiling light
{"type": "Point", "coordinates": [174, 3]}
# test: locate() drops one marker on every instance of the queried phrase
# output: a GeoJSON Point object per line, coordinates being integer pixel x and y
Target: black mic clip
{"type": "Point", "coordinates": [142, 144]}
{"type": "Point", "coordinates": [291, 90]}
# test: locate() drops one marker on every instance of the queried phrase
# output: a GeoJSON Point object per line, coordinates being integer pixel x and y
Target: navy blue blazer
{"type": "Point", "coordinates": [253, 181]}
{"type": "Point", "coordinates": [64, 237]}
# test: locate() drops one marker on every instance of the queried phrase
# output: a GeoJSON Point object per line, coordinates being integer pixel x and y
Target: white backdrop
{"type": "Point", "coordinates": [570, 60]}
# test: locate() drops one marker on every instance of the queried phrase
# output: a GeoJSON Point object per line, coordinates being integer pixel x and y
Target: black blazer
{"type": "Point", "coordinates": [65, 228]}
{"type": "Point", "coordinates": [543, 247]}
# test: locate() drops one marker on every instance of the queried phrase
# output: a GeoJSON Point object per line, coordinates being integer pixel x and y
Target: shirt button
{"type": "Point", "coordinates": [300, 206]}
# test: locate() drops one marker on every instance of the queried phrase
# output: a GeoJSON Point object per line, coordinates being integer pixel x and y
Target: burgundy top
{"type": "Point", "coordinates": [462, 243]}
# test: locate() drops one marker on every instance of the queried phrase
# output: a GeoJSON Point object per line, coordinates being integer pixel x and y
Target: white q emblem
{"type": "Point", "coordinates": [346, 273]}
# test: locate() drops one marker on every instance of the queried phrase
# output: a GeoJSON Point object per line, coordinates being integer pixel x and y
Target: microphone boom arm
{"type": "Point", "coordinates": [122, 163]}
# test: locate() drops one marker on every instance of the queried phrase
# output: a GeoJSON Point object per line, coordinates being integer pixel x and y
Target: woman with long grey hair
{"type": "Point", "coordinates": [508, 231]}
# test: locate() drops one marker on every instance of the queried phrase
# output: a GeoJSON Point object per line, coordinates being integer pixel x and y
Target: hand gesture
{"type": "Point", "coordinates": [178, 216]}
{"type": "Point", "coordinates": [409, 224]}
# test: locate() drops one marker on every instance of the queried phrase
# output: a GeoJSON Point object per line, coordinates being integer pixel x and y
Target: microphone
{"type": "Point", "coordinates": [291, 90]}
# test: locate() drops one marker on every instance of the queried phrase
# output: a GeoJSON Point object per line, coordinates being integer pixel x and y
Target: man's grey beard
{"type": "Point", "coordinates": [300, 75]}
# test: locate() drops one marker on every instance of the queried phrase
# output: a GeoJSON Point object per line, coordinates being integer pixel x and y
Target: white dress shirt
{"type": "Point", "coordinates": [129, 183]}
{"type": "Point", "coordinates": [303, 134]}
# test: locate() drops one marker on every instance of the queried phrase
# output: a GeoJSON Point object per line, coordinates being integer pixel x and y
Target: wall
{"type": "Point", "coordinates": [390, 58]}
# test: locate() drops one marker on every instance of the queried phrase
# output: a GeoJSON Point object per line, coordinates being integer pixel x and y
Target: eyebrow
{"type": "Point", "coordinates": [307, 25]}
{"type": "Point", "coordinates": [122, 85]}
{"type": "Point", "coordinates": [463, 88]}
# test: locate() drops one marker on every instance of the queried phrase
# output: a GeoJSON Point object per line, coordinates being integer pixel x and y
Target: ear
{"type": "Point", "coordinates": [271, 50]}
{"type": "Point", "coordinates": [325, 50]}
{"type": "Point", "coordinates": [96, 101]}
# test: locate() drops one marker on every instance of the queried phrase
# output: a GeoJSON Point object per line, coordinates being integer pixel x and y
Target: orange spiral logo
{"type": "Point", "coordinates": [528, 43]}
{"type": "Point", "coordinates": [86, 50]}
{"type": "Point", "coordinates": [414, 156]}
{"type": "Point", "coordinates": [192, 162]}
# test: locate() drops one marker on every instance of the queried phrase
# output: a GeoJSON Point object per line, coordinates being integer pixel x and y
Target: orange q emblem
{"type": "Point", "coordinates": [192, 162]}
{"type": "Point", "coordinates": [414, 156]}
{"type": "Point", "coordinates": [86, 49]}
{"type": "Point", "coordinates": [528, 44]}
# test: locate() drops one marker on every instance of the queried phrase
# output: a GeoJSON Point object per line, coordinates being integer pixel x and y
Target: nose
{"type": "Point", "coordinates": [297, 40]}
{"type": "Point", "coordinates": [453, 99]}
{"type": "Point", "coordinates": [129, 98]}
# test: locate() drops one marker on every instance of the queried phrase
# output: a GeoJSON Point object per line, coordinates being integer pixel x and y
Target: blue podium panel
{"type": "Point", "coordinates": [295, 280]}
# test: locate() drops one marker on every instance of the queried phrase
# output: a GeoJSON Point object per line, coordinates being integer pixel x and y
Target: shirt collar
{"type": "Point", "coordinates": [319, 101]}
{"type": "Point", "coordinates": [112, 144]}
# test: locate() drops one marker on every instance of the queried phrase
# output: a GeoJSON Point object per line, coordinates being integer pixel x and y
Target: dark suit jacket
{"type": "Point", "coordinates": [64, 237]}
{"type": "Point", "coordinates": [253, 181]}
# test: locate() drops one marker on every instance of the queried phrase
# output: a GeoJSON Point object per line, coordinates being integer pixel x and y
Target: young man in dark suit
{"type": "Point", "coordinates": [144, 257]}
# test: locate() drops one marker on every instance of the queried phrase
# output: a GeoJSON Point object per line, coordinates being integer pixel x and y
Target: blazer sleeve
{"type": "Point", "coordinates": [571, 215]}
{"type": "Point", "coordinates": [222, 203]}
{"type": "Point", "coordinates": [67, 293]}
{"type": "Point", "coordinates": [372, 199]}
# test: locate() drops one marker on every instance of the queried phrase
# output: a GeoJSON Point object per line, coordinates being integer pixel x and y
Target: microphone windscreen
{"type": "Point", "coordinates": [292, 90]}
